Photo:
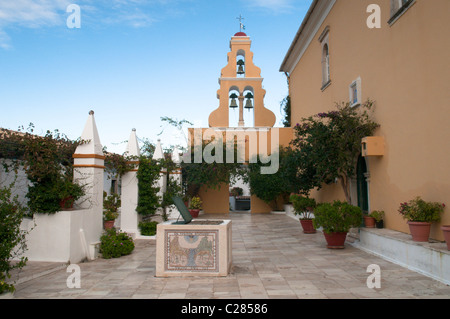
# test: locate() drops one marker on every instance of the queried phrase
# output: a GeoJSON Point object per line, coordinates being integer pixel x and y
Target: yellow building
{"type": "Point", "coordinates": [395, 53]}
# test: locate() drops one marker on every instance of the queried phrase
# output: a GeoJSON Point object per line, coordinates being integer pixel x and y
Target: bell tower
{"type": "Point", "coordinates": [241, 87]}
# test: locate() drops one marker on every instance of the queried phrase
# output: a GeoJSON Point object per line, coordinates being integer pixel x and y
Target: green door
{"type": "Point", "coordinates": [363, 192]}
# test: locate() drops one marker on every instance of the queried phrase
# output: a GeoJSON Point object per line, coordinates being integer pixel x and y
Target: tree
{"type": "Point", "coordinates": [147, 175]}
{"type": "Point", "coordinates": [328, 144]}
{"type": "Point", "coordinates": [286, 110]}
{"type": "Point", "coordinates": [12, 238]}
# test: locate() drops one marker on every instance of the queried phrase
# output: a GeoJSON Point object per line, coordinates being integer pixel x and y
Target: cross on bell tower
{"type": "Point", "coordinates": [241, 25]}
{"type": "Point", "coordinates": [241, 86]}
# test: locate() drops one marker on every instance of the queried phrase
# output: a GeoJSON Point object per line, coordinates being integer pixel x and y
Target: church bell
{"type": "Point", "coordinates": [241, 67]}
{"type": "Point", "coordinates": [248, 103]}
{"type": "Point", "coordinates": [233, 104]}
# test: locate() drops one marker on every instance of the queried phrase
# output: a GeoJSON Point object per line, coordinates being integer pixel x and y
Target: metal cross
{"type": "Point", "coordinates": [240, 18]}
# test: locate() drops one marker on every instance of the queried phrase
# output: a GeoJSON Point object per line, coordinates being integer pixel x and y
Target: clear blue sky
{"type": "Point", "coordinates": [132, 61]}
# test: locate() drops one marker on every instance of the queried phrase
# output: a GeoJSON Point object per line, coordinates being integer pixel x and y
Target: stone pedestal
{"type": "Point", "coordinates": [201, 248]}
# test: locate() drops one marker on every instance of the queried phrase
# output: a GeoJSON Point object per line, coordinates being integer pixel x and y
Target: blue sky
{"type": "Point", "coordinates": [132, 62]}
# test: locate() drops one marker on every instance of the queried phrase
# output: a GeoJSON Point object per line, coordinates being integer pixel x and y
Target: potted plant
{"type": "Point", "coordinates": [304, 207]}
{"type": "Point", "coordinates": [378, 215]}
{"type": "Point", "coordinates": [68, 192]}
{"type": "Point", "coordinates": [236, 191]}
{"type": "Point", "coordinates": [111, 206]}
{"type": "Point", "coordinates": [420, 214]}
{"type": "Point", "coordinates": [369, 221]}
{"type": "Point", "coordinates": [336, 220]}
{"type": "Point", "coordinates": [186, 200]}
{"type": "Point", "coordinates": [195, 206]}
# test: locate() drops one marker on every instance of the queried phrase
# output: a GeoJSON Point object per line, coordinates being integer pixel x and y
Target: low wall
{"type": "Point", "coordinates": [67, 236]}
{"type": "Point", "coordinates": [430, 259]}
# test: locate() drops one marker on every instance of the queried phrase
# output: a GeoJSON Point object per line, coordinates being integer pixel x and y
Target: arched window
{"type": "Point", "coordinates": [325, 45]}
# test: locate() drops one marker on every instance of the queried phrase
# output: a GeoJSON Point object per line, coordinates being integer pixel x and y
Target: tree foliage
{"type": "Point", "coordinates": [12, 239]}
{"type": "Point", "coordinates": [48, 163]}
{"type": "Point", "coordinates": [328, 144]}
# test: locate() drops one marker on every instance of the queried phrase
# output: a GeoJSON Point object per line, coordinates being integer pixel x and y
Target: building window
{"type": "Point", "coordinates": [355, 93]}
{"type": "Point", "coordinates": [398, 8]}
{"type": "Point", "coordinates": [324, 42]}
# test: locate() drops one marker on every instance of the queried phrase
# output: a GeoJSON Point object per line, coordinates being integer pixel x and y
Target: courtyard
{"type": "Point", "coordinates": [272, 259]}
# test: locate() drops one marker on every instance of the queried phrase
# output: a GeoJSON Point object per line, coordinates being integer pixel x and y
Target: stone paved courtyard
{"type": "Point", "coordinates": [272, 258]}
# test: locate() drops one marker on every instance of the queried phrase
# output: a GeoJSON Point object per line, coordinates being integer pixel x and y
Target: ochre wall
{"type": "Point", "coordinates": [403, 68]}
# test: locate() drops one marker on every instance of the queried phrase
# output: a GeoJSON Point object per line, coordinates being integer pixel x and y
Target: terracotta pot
{"type": "Point", "coordinates": [420, 231]}
{"type": "Point", "coordinates": [66, 203]}
{"type": "Point", "coordinates": [335, 240]}
{"type": "Point", "coordinates": [446, 231]}
{"type": "Point", "coordinates": [194, 212]}
{"type": "Point", "coordinates": [369, 222]}
{"type": "Point", "coordinates": [108, 224]}
{"type": "Point", "coordinates": [307, 225]}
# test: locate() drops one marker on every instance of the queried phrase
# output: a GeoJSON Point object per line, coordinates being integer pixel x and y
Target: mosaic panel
{"type": "Point", "coordinates": [191, 250]}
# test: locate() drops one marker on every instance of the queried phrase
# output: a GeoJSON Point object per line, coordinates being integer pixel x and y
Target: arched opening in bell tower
{"type": "Point", "coordinates": [233, 103]}
{"type": "Point", "coordinates": [240, 64]}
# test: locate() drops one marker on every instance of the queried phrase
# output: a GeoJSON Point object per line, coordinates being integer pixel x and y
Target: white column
{"type": "Point", "coordinates": [88, 172]}
{"type": "Point", "coordinates": [159, 155]}
{"type": "Point", "coordinates": [129, 218]}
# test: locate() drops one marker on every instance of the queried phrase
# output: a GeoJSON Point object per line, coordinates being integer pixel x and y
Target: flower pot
{"type": "Point", "coordinates": [66, 203]}
{"type": "Point", "coordinates": [379, 224]}
{"type": "Point", "coordinates": [446, 231]}
{"type": "Point", "coordinates": [194, 212]}
{"type": "Point", "coordinates": [307, 225]}
{"type": "Point", "coordinates": [369, 222]}
{"type": "Point", "coordinates": [420, 231]}
{"type": "Point", "coordinates": [335, 240]}
{"type": "Point", "coordinates": [108, 224]}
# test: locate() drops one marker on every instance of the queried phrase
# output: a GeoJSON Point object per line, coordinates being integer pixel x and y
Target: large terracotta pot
{"type": "Point", "coordinates": [194, 212]}
{"type": "Point", "coordinates": [446, 231]}
{"type": "Point", "coordinates": [307, 225]}
{"type": "Point", "coordinates": [420, 231]}
{"type": "Point", "coordinates": [369, 222]}
{"type": "Point", "coordinates": [335, 240]}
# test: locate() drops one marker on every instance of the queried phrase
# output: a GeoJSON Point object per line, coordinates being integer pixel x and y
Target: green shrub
{"type": "Point", "coordinates": [111, 206]}
{"type": "Point", "coordinates": [377, 214]}
{"type": "Point", "coordinates": [12, 239]}
{"type": "Point", "coordinates": [148, 228]}
{"type": "Point", "coordinates": [114, 244]}
{"type": "Point", "coordinates": [418, 210]}
{"type": "Point", "coordinates": [147, 175]}
{"type": "Point", "coordinates": [337, 217]}
{"type": "Point", "coordinates": [303, 205]}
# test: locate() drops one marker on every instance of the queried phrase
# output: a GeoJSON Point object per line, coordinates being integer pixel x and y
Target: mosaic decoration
{"type": "Point", "coordinates": [191, 251]}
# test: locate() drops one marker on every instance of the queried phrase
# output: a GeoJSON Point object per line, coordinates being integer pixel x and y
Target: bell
{"type": "Point", "coordinates": [248, 104]}
{"type": "Point", "coordinates": [233, 104]}
{"type": "Point", "coordinates": [241, 70]}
